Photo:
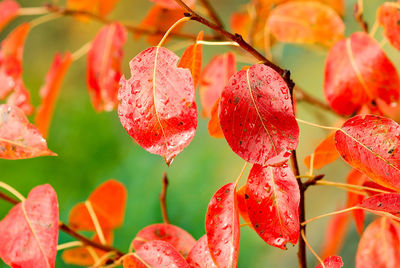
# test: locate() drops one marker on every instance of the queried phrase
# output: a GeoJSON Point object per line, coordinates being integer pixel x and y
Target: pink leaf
{"type": "Point", "coordinates": [199, 256]}
{"type": "Point", "coordinates": [332, 262]}
{"type": "Point", "coordinates": [8, 11]}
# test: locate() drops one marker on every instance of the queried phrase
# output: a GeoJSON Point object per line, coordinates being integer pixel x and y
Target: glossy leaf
{"type": "Point", "coordinates": [305, 22]}
{"type": "Point", "coordinates": [192, 59]}
{"type": "Point", "coordinates": [356, 178]}
{"type": "Point", "coordinates": [379, 246]}
{"type": "Point", "coordinates": [171, 4]}
{"type": "Point", "coordinates": [108, 202]}
{"type": "Point", "coordinates": [214, 127]}
{"type": "Point", "coordinates": [357, 71]}
{"type": "Point", "coordinates": [389, 203]}
{"type": "Point", "coordinates": [157, 106]}
{"type": "Point", "coordinates": [324, 154]}
{"type": "Point", "coordinates": [99, 7]}
{"type": "Point", "coordinates": [18, 138]}
{"type": "Point", "coordinates": [256, 116]}
{"type": "Point", "coordinates": [241, 201]}
{"type": "Point", "coordinates": [273, 204]}
{"type": "Point", "coordinates": [213, 80]}
{"type": "Point", "coordinates": [199, 256]}
{"type": "Point", "coordinates": [177, 237]}
{"type": "Point", "coordinates": [388, 16]}
{"type": "Point", "coordinates": [371, 144]}
{"type": "Point", "coordinates": [50, 91]}
{"type": "Point", "coordinates": [160, 254]}
{"type": "Point", "coordinates": [223, 228]}
{"type": "Point", "coordinates": [104, 66]}
{"type": "Point", "coordinates": [29, 232]}
{"type": "Point", "coordinates": [332, 262]}
{"type": "Point", "coordinates": [8, 11]}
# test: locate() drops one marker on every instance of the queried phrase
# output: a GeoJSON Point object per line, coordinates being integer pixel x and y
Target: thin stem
{"type": "Point", "coordinates": [353, 186]}
{"type": "Point", "coordinates": [71, 244]}
{"type": "Point", "coordinates": [312, 164]}
{"type": "Point", "coordinates": [212, 13]}
{"type": "Point", "coordinates": [216, 43]}
{"type": "Point", "coordinates": [302, 95]}
{"type": "Point", "coordinates": [184, 19]}
{"type": "Point", "coordinates": [28, 11]}
{"type": "Point", "coordinates": [374, 28]}
{"type": "Point", "coordinates": [163, 197]}
{"type": "Point", "coordinates": [329, 214]}
{"type": "Point", "coordinates": [241, 173]}
{"type": "Point", "coordinates": [80, 52]}
{"type": "Point", "coordinates": [10, 189]}
{"type": "Point", "coordinates": [43, 19]}
{"type": "Point", "coordinates": [316, 125]}
{"type": "Point", "coordinates": [311, 249]}
{"type": "Point", "coordinates": [103, 258]}
{"type": "Point", "coordinates": [95, 221]}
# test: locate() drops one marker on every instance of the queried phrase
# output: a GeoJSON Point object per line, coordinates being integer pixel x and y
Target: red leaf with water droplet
{"type": "Point", "coordinates": [357, 71]}
{"type": "Point", "coordinates": [241, 200]}
{"type": "Point", "coordinates": [192, 59]}
{"type": "Point", "coordinates": [214, 127]}
{"type": "Point", "coordinates": [222, 227]}
{"type": "Point", "coordinates": [199, 256]}
{"type": "Point", "coordinates": [256, 116]}
{"type": "Point", "coordinates": [388, 16]}
{"type": "Point", "coordinates": [379, 246]}
{"type": "Point", "coordinates": [29, 232]}
{"type": "Point", "coordinates": [50, 91]}
{"type": "Point", "coordinates": [18, 138]}
{"type": "Point", "coordinates": [214, 78]}
{"type": "Point", "coordinates": [157, 106]}
{"type": "Point", "coordinates": [160, 254]}
{"type": "Point", "coordinates": [108, 202]}
{"type": "Point", "coordinates": [104, 66]}
{"type": "Point", "coordinates": [356, 178]}
{"type": "Point", "coordinates": [273, 204]}
{"type": "Point", "coordinates": [171, 4]}
{"type": "Point", "coordinates": [332, 262]}
{"type": "Point", "coordinates": [371, 144]}
{"type": "Point", "coordinates": [177, 237]}
{"type": "Point", "coordinates": [324, 154]}
{"type": "Point", "coordinates": [8, 11]}
{"type": "Point", "coordinates": [389, 203]}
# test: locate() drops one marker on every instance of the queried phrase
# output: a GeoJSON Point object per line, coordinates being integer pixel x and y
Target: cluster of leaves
{"type": "Point", "coordinates": [252, 109]}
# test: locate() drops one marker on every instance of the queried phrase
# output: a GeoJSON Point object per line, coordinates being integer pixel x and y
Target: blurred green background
{"type": "Point", "coordinates": [94, 147]}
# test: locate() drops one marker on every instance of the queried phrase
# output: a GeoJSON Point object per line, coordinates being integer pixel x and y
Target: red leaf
{"type": "Point", "coordinates": [199, 256]}
{"type": "Point", "coordinates": [177, 237]}
{"type": "Point", "coordinates": [324, 154]}
{"type": "Point", "coordinates": [241, 201]}
{"type": "Point", "coordinates": [357, 71]}
{"type": "Point", "coordinates": [171, 4]}
{"type": "Point", "coordinates": [332, 262]}
{"type": "Point", "coordinates": [371, 144]}
{"type": "Point", "coordinates": [214, 78]}
{"type": "Point", "coordinates": [222, 227]}
{"type": "Point", "coordinates": [108, 202]}
{"type": "Point", "coordinates": [372, 184]}
{"type": "Point", "coordinates": [29, 232]}
{"type": "Point", "coordinates": [388, 16]}
{"type": "Point", "coordinates": [273, 204]}
{"type": "Point", "coordinates": [214, 127]}
{"type": "Point", "coordinates": [18, 138]}
{"type": "Point", "coordinates": [356, 178]}
{"type": "Point", "coordinates": [161, 254]}
{"type": "Point", "coordinates": [192, 59]}
{"type": "Point", "coordinates": [104, 66]}
{"type": "Point", "coordinates": [50, 91]}
{"type": "Point", "coordinates": [8, 11]}
{"type": "Point", "coordinates": [157, 105]}
{"type": "Point", "coordinates": [389, 203]}
{"type": "Point", "coordinates": [256, 116]}
{"type": "Point", "coordinates": [379, 246]}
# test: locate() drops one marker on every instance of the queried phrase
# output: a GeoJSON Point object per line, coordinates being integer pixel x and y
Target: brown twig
{"type": "Point", "coordinates": [163, 197]}
{"type": "Point", "coordinates": [213, 14]}
{"type": "Point", "coordinates": [313, 181]}
{"type": "Point", "coordinates": [302, 95]}
{"type": "Point", "coordinates": [68, 230]}
{"type": "Point", "coordinates": [358, 15]}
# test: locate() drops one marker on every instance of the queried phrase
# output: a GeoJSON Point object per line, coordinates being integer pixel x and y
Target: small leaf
{"type": "Point", "coordinates": [324, 154]}
{"type": "Point", "coordinates": [104, 66]}
{"type": "Point", "coordinates": [241, 197]}
{"type": "Point", "coordinates": [214, 127]}
{"type": "Point", "coordinates": [356, 178]}
{"type": "Point", "coordinates": [199, 256]}
{"type": "Point", "coordinates": [18, 138]}
{"type": "Point", "coordinates": [222, 227]}
{"type": "Point", "coordinates": [177, 237]}
{"type": "Point", "coordinates": [273, 204]}
{"type": "Point", "coordinates": [371, 144]}
{"type": "Point", "coordinates": [157, 106]}
{"type": "Point", "coordinates": [50, 91]}
{"type": "Point", "coordinates": [161, 254]}
{"type": "Point", "coordinates": [256, 116]}
{"type": "Point", "coordinates": [108, 202]}
{"type": "Point", "coordinates": [388, 16]}
{"type": "Point", "coordinates": [332, 262]}
{"type": "Point", "coordinates": [29, 232]}
{"type": "Point", "coordinates": [214, 78]}
{"type": "Point", "coordinates": [192, 59]}
{"type": "Point", "coordinates": [8, 11]}
{"type": "Point", "coordinates": [306, 22]}
{"type": "Point", "coordinates": [357, 71]}
{"type": "Point", "coordinates": [171, 4]}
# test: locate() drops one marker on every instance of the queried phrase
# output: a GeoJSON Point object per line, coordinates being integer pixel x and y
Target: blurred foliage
{"type": "Point", "coordinates": [94, 147]}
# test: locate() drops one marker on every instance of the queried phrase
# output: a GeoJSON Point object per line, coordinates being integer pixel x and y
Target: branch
{"type": "Point", "coordinates": [313, 181]}
{"type": "Point", "coordinates": [304, 96]}
{"type": "Point", "coordinates": [68, 230]}
{"type": "Point", "coordinates": [163, 197]}
{"type": "Point", "coordinates": [213, 14]}
{"type": "Point", "coordinates": [358, 15]}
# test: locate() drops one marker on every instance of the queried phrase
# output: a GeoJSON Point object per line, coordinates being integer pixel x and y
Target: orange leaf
{"type": "Point", "coordinates": [192, 59]}
{"type": "Point", "coordinates": [50, 91]}
{"type": "Point", "coordinates": [324, 154]}
{"type": "Point", "coordinates": [306, 22]}
{"type": "Point", "coordinates": [108, 202]}
{"type": "Point", "coordinates": [18, 138]}
{"type": "Point", "coordinates": [8, 10]}
{"type": "Point", "coordinates": [99, 7]}
{"type": "Point", "coordinates": [214, 127]}
{"type": "Point", "coordinates": [241, 203]}
{"type": "Point", "coordinates": [357, 178]}
{"type": "Point", "coordinates": [171, 4]}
